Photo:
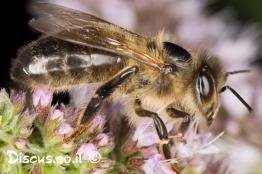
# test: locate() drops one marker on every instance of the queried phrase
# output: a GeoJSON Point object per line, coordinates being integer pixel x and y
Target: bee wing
{"type": "Point", "coordinates": [84, 29]}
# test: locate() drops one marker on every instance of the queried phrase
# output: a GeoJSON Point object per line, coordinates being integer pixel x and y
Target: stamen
{"type": "Point", "coordinates": [212, 141]}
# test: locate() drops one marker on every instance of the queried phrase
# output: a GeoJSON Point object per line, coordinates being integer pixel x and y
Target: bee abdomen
{"type": "Point", "coordinates": [58, 64]}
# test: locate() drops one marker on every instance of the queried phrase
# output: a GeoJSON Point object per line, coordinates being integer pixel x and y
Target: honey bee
{"type": "Point", "coordinates": [155, 78]}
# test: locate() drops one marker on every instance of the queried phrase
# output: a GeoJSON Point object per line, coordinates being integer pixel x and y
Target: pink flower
{"type": "Point", "coordinates": [42, 97]}
{"type": "Point", "coordinates": [87, 150]}
{"type": "Point", "coordinates": [155, 165]}
{"type": "Point", "coordinates": [20, 143]}
{"type": "Point", "coordinates": [195, 146]}
{"type": "Point", "coordinates": [103, 139]}
{"type": "Point", "coordinates": [17, 98]}
{"type": "Point", "coordinates": [64, 128]}
{"type": "Point", "coordinates": [23, 131]}
{"type": "Point", "coordinates": [98, 122]}
{"type": "Point", "coordinates": [57, 114]}
{"type": "Point", "coordinates": [145, 135]}
{"type": "Point", "coordinates": [25, 123]}
{"type": "Point", "coordinates": [150, 151]}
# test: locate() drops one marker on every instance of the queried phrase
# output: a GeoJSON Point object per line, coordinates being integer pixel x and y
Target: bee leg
{"type": "Point", "coordinates": [164, 146]}
{"type": "Point", "coordinates": [96, 101]}
{"type": "Point", "coordinates": [174, 113]}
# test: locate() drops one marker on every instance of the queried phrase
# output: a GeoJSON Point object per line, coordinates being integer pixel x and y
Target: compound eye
{"type": "Point", "coordinates": [177, 53]}
{"type": "Point", "coordinates": [205, 84]}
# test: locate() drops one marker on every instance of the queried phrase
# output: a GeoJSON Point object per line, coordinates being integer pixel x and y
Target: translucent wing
{"type": "Point", "coordinates": [84, 29]}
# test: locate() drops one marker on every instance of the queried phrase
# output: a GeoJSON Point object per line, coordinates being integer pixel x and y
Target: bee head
{"type": "Point", "coordinates": [209, 83]}
{"type": "Point", "coordinates": [204, 78]}
{"type": "Point", "coordinates": [207, 78]}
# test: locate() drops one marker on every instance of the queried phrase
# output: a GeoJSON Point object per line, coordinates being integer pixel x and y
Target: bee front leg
{"type": "Point", "coordinates": [164, 146]}
{"type": "Point", "coordinates": [174, 113]}
{"type": "Point", "coordinates": [85, 117]}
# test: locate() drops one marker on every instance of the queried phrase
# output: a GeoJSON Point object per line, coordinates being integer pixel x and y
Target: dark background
{"type": "Point", "coordinates": [15, 31]}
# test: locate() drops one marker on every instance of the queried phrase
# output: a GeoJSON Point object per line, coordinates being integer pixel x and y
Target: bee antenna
{"type": "Point", "coordinates": [237, 95]}
{"type": "Point", "coordinates": [237, 72]}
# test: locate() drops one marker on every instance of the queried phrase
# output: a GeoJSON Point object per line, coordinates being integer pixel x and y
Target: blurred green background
{"type": "Point", "coordinates": [246, 11]}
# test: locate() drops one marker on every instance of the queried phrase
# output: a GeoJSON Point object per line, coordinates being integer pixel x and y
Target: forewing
{"type": "Point", "coordinates": [84, 29]}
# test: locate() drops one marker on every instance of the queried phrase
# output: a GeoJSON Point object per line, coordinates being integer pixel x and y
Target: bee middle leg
{"type": "Point", "coordinates": [175, 113]}
{"type": "Point", "coordinates": [164, 146]}
{"type": "Point", "coordinates": [85, 117]}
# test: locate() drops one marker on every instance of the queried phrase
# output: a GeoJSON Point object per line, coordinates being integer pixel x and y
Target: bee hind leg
{"type": "Point", "coordinates": [88, 113]}
{"type": "Point", "coordinates": [164, 146]}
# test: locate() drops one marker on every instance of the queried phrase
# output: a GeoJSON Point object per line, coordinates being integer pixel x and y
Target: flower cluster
{"type": "Point", "coordinates": [39, 132]}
